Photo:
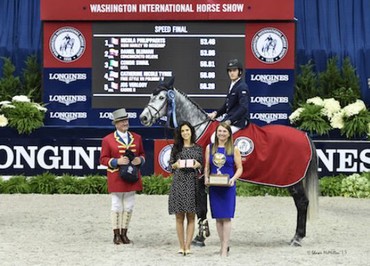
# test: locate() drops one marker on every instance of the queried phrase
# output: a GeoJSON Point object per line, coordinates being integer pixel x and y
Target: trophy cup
{"type": "Point", "coordinates": [219, 179]}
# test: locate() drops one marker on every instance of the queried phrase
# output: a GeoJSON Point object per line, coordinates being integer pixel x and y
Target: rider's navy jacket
{"type": "Point", "coordinates": [236, 105]}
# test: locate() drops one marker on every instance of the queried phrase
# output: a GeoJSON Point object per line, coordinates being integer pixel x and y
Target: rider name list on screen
{"type": "Point", "coordinates": [131, 58]}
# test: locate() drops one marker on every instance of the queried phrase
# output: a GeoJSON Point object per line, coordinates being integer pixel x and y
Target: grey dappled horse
{"type": "Point", "coordinates": [165, 97]}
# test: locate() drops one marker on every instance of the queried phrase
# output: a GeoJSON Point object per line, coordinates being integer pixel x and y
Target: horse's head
{"type": "Point", "coordinates": [157, 106]}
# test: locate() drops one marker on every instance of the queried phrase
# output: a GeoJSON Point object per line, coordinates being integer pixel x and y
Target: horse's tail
{"type": "Point", "coordinates": [312, 184]}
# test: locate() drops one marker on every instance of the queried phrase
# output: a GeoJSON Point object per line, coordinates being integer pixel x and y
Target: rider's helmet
{"type": "Point", "coordinates": [233, 64]}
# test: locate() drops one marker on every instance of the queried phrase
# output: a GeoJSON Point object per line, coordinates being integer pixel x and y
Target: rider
{"type": "Point", "coordinates": [236, 106]}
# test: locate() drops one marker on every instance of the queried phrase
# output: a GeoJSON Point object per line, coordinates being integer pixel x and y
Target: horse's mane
{"type": "Point", "coordinates": [160, 88]}
{"type": "Point", "coordinates": [188, 98]}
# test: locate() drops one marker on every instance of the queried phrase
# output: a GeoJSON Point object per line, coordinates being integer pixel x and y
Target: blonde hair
{"type": "Point", "coordinates": [229, 145]}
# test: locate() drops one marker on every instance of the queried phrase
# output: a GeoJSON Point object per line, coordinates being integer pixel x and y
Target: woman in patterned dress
{"type": "Point", "coordinates": [223, 198]}
{"type": "Point", "coordinates": [181, 200]}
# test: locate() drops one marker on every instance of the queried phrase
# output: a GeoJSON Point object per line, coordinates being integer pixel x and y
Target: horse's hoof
{"type": "Point", "coordinates": [206, 232]}
{"type": "Point", "coordinates": [296, 242]}
{"type": "Point", "coordinates": [198, 241]}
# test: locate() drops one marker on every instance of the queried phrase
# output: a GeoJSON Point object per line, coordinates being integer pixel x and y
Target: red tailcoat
{"type": "Point", "coordinates": [113, 148]}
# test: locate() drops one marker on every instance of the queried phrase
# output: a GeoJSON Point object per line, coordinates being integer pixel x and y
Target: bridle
{"type": "Point", "coordinates": [156, 111]}
{"type": "Point", "coordinates": [171, 110]}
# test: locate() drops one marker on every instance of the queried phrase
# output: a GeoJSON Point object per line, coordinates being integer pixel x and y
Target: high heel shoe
{"type": "Point", "coordinates": [227, 252]}
{"type": "Point", "coordinates": [187, 252]}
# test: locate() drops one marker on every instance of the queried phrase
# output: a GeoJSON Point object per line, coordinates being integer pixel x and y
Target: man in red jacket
{"type": "Point", "coordinates": [113, 155]}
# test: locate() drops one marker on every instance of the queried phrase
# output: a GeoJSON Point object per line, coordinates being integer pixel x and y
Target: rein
{"type": "Point", "coordinates": [155, 109]}
{"type": "Point", "coordinates": [201, 123]}
{"type": "Point", "coordinates": [171, 111]}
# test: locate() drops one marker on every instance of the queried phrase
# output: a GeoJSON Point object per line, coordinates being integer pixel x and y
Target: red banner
{"type": "Point", "coordinates": [88, 10]}
{"type": "Point", "coordinates": [162, 152]}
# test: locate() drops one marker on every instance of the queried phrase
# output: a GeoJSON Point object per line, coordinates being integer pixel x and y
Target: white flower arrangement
{"type": "Point", "coordinates": [331, 106]}
{"type": "Point", "coordinates": [22, 114]}
{"type": "Point", "coordinates": [316, 101]}
{"type": "Point", "coordinates": [321, 115]}
{"type": "Point", "coordinates": [3, 121]}
{"type": "Point", "coordinates": [354, 108]}
{"type": "Point", "coordinates": [21, 99]}
{"type": "Point", "coordinates": [337, 120]}
{"type": "Point", "coordinates": [295, 116]}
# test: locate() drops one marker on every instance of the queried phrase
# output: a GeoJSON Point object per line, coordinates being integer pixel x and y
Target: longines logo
{"type": "Point", "coordinates": [269, 79]}
{"type": "Point", "coordinates": [109, 115]}
{"type": "Point", "coordinates": [67, 77]}
{"type": "Point", "coordinates": [67, 44]}
{"type": "Point", "coordinates": [67, 99]}
{"type": "Point", "coordinates": [269, 101]}
{"type": "Point", "coordinates": [68, 116]}
{"type": "Point", "coordinates": [269, 117]}
{"type": "Point", "coordinates": [269, 45]}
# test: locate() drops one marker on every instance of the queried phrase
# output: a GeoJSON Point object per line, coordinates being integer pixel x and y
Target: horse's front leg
{"type": "Point", "coordinates": [201, 209]}
{"type": "Point", "coordinates": [301, 203]}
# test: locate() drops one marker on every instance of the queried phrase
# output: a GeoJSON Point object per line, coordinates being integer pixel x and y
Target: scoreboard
{"type": "Point", "coordinates": [98, 57]}
{"type": "Point", "coordinates": [131, 58]}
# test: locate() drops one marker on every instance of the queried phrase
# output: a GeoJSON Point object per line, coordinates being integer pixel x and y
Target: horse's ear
{"type": "Point", "coordinates": [170, 83]}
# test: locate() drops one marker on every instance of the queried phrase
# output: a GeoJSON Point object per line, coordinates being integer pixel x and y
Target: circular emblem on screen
{"type": "Point", "coordinates": [245, 146]}
{"type": "Point", "coordinates": [67, 44]}
{"type": "Point", "coordinates": [164, 158]}
{"type": "Point", "coordinates": [269, 45]}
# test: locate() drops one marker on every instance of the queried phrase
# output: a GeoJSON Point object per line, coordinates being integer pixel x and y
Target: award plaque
{"type": "Point", "coordinates": [219, 179]}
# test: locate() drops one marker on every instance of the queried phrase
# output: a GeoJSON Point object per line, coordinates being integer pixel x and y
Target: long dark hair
{"type": "Point", "coordinates": [179, 141]}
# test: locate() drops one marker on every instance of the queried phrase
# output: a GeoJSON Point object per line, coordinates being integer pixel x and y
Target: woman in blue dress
{"type": "Point", "coordinates": [223, 198]}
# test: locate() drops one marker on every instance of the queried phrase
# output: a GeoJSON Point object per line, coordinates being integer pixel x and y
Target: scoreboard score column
{"type": "Point", "coordinates": [131, 58]}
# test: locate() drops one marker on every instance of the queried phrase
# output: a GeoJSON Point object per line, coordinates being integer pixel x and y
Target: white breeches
{"type": "Point", "coordinates": [123, 201]}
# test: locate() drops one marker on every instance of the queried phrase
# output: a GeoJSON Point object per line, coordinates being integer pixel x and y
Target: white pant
{"type": "Point", "coordinates": [123, 201]}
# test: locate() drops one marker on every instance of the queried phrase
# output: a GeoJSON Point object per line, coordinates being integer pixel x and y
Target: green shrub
{"type": "Point", "coordinates": [156, 185]}
{"type": "Point", "coordinates": [1, 184]}
{"type": "Point", "coordinates": [330, 79]}
{"type": "Point", "coordinates": [355, 186]}
{"type": "Point", "coordinates": [334, 186]}
{"type": "Point", "coordinates": [94, 184]}
{"type": "Point", "coordinates": [9, 84]}
{"type": "Point", "coordinates": [31, 79]}
{"type": "Point", "coordinates": [69, 185]}
{"type": "Point", "coordinates": [331, 186]}
{"type": "Point", "coordinates": [45, 183]}
{"type": "Point", "coordinates": [29, 84]}
{"type": "Point", "coordinates": [306, 85]}
{"type": "Point", "coordinates": [340, 83]}
{"type": "Point", "coordinates": [356, 125]}
{"type": "Point", "coordinates": [16, 184]}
